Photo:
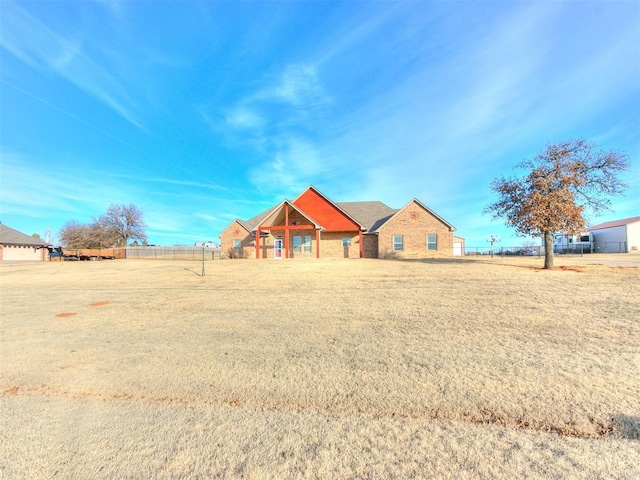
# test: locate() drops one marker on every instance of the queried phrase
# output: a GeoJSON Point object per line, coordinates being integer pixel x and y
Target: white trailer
{"type": "Point", "coordinates": [565, 243]}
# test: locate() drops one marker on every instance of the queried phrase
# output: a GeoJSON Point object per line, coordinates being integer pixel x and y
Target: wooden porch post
{"type": "Point", "coordinates": [286, 230]}
{"type": "Point", "coordinates": [317, 243]}
{"type": "Point", "coordinates": [258, 242]}
{"type": "Point", "coordinates": [361, 246]}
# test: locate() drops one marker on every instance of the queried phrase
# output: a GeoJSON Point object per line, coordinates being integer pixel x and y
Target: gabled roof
{"type": "Point", "coordinates": [274, 213]}
{"type": "Point", "coordinates": [9, 236]}
{"type": "Point", "coordinates": [453, 229]}
{"type": "Point", "coordinates": [615, 223]}
{"type": "Point", "coordinates": [251, 224]}
{"type": "Point", "coordinates": [422, 205]}
{"type": "Point", "coordinates": [371, 215]}
{"type": "Point", "coordinates": [325, 211]}
{"type": "Point", "coordinates": [368, 216]}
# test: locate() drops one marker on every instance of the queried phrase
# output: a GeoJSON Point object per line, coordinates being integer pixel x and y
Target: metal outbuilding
{"type": "Point", "coordinates": [618, 236]}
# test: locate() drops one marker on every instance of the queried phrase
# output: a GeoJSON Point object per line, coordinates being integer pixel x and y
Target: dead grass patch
{"type": "Point", "coordinates": [319, 369]}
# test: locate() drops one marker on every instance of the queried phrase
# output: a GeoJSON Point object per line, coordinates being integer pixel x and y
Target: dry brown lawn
{"type": "Point", "coordinates": [467, 368]}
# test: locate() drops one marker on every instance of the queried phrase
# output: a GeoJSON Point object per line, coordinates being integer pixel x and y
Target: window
{"type": "Point", "coordinates": [237, 244]}
{"type": "Point", "coordinates": [302, 244]}
{"type": "Point", "coordinates": [346, 242]}
{"type": "Point", "coordinates": [297, 244]}
{"type": "Point", "coordinates": [398, 243]}
{"type": "Point", "coordinates": [306, 246]}
{"type": "Point", "coordinates": [432, 242]}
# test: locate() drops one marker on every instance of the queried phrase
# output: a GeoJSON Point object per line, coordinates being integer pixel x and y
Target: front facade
{"type": "Point", "coordinates": [312, 226]}
{"type": "Point", "coordinates": [18, 246]}
{"type": "Point", "coordinates": [415, 232]}
{"type": "Point", "coordinates": [619, 236]}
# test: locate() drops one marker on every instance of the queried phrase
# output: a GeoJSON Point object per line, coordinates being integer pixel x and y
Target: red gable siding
{"type": "Point", "coordinates": [324, 212]}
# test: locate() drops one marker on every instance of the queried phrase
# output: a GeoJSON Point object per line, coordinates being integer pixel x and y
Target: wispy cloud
{"type": "Point", "coordinates": [292, 167]}
{"type": "Point", "coordinates": [296, 95]}
{"type": "Point", "coordinates": [38, 192]}
{"type": "Point", "coordinates": [300, 87]}
{"type": "Point", "coordinates": [244, 117]}
{"type": "Point", "coordinates": [465, 119]}
{"type": "Point", "coordinates": [69, 114]}
{"type": "Point", "coordinates": [114, 6]}
{"type": "Point", "coordinates": [280, 117]}
{"type": "Point", "coordinates": [206, 217]}
{"type": "Point", "coordinates": [41, 47]}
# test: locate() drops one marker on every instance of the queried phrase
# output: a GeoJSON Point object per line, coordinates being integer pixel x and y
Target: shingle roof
{"type": "Point", "coordinates": [9, 236]}
{"type": "Point", "coordinates": [252, 223]}
{"type": "Point", "coordinates": [371, 215]}
{"type": "Point", "coordinates": [615, 223]}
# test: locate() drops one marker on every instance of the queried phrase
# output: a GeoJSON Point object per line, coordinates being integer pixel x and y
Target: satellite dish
{"type": "Point", "coordinates": [494, 237]}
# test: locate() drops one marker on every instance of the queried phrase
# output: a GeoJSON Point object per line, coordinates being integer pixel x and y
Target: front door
{"type": "Point", "coordinates": [277, 248]}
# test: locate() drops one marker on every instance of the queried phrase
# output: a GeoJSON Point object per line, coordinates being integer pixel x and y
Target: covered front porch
{"type": "Point", "coordinates": [284, 221]}
{"type": "Point", "coordinates": [288, 232]}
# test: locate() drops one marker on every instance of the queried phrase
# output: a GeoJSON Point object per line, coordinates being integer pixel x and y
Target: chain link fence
{"type": "Point", "coordinates": [600, 247]}
{"type": "Point", "coordinates": [174, 253]}
{"type": "Point", "coordinates": [610, 247]}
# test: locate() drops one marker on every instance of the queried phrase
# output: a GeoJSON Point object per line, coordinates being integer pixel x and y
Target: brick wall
{"type": "Point", "coordinates": [235, 231]}
{"type": "Point", "coordinates": [370, 243]}
{"type": "Point", "coordinates": [331, 245]}
{"type": "Point", "coordinates": [414, 223]}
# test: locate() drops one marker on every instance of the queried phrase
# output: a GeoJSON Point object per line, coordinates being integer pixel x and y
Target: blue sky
{"type": "Point", "coordinates": [200, 112]}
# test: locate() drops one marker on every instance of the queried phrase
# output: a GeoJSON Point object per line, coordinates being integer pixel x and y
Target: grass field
{"type": "Point", "coordinates": [466, 368]}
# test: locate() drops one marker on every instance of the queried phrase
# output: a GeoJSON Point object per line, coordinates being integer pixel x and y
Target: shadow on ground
{"type": "Point", "coordinates": [628, 426]}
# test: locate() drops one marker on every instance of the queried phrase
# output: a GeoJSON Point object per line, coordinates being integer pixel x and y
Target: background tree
{"type": "Point", "coordinates": [115, 227]}
{"type": "Point", "coordinates": [75, 235]}
{"type": "Point", "coordinates": [563, 181]}
{"type": "Point", "coordinates": [124, 222]}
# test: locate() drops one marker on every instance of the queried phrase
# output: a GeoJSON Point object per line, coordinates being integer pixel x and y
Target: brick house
{"type": "Point", "coordinates": [18, 246]}
{"type": "Point", "coordinates": [312, 226]}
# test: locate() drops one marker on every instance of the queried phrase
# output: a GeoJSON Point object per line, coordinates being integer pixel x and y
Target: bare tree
{"type": "Point", "coordinates": [124, 222]}
{"type": "Point", "coordinates": [115, 227]}
{"type": "Point", "coordinates": [75, 235]}
{"type": "Point", "coordinates": [563, 181]}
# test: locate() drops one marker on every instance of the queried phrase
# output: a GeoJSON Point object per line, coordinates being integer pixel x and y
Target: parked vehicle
{"type": "Point", "coordinates": [75, 255]}
{"type": "Point", "coordinates": [564, 243]}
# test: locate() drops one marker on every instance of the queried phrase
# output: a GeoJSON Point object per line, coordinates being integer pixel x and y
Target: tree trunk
{"type": "Point", "coordinates": [548, 250]}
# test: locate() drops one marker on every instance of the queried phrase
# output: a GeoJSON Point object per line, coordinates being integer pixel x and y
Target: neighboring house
{"type": "Point", "coordinates": [312, 226]}
{"type": "Point", "coordinates": [15, 245]}
{"type": "Point", "coordinates": [617, 236]}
